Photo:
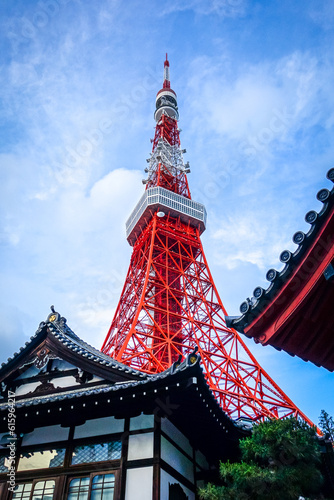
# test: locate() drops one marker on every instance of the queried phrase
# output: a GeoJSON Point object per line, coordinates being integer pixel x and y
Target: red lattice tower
{"type": "Point", "coordinates": [169, 304]}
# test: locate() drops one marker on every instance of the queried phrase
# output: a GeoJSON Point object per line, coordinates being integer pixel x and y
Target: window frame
{"type": "Point", "coordinates": [41, 448]}
{"type": "Point", "coordinates": [91, 475]}
{"type": "Point", "coordinates": [105, 439]}
{"type": "Point", "coordinates": [63, 474]}
{"type": "Point", "coordinates": [62, 483]}
{"type": "Point", "coordinates": [33, 483]}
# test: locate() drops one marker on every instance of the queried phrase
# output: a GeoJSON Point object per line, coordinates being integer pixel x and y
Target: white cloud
{"type": "Point", "coordinates": [246, 237]}
{"type": "Point", "coordinates": [261, 103]}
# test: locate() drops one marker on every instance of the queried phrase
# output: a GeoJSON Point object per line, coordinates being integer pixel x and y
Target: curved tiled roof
{"type": "Point", "coordinates": [57, 326]}
{"type": "Point", "coordinates": [252, 307]}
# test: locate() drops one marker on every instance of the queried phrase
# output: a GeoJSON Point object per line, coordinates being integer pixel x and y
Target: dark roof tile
{"type": "Point", "coordinates": [252, 307]}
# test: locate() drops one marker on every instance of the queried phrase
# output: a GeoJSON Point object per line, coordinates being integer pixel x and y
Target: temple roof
{"type": "Point", "coordinates": [295, 312]}
{"type": "Point", "coordinates": [56, 328]}
{"type": "Point", "coordinates": [59, 378]}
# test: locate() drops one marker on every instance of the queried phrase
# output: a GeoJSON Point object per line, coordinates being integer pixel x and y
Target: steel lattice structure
{"type": "Point", "coordinates": [169, 304]}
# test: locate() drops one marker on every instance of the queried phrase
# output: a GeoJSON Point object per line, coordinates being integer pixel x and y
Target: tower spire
{"type": "Point", "coordinates": [166, 84]}
{"type": "Point", "coordinates": [166, 165]}
{"type": "Point", "coordinates": [169, 303]}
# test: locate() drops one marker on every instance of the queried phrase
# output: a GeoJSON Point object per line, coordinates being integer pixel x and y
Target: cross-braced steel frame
{"type": "Point", "coordinates": [169, 305]}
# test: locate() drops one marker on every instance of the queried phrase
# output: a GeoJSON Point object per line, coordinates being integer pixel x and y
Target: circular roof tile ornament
{"type": "Point", "coordinates": [54, 316]}
{"type": "Point", "coordinates": [244, 307]}
{"type": "Point", "coordinates": [271, 275]}
{"type": "Point", "coordinates": [298, 237]}
{"type": "Point", "coordinates": [258, 292]}
{"type": "Point", "coordinates": [285, 256]}
{"type": "Point", "coordinates": [330, 174]}
{"type": "Point", "coordinates": [311, 216]}
{"type": "Point", "coordinates": [323, 195]}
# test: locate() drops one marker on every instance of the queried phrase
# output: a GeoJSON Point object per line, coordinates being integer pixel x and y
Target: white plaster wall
{"type": "Point", "coordinates": [62, 365]}
{"type": "Point", "coordinates": [176, 435]}
{"type": "Point", "coordinates": [98, 427]}
{"type": "Point", "coordinates": [25, 388]}
{"type": "Point", "coordinates": [176, 459]}
{"type": "Point", "coordinates": [140, 446]}
{"type": "Point", "coordinates": [139, 484]}
{"type": "Point", "coordinates": [165, 480]}
{"type": "Point", "coordinates": [64, 381]}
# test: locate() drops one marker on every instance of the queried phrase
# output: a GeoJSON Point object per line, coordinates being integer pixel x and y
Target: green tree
{"type": "Point", "coordinates": [280, 461]}
{"type": "Point", "coordinates": [326, 424]}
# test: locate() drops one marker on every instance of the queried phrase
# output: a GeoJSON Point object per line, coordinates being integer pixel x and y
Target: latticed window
{"type": "Point", "coordinates": [79, 488]}
{"type": "Point", "coordinates": [99, 452]}
{"type": "Point", "coordinates": [41, 459]}
{"type": "Point", "coordinates": [4, 464]}
{"type": "Point", "coordinates": [99, 487]}
{"type": "Point", "coordinates": [41, 490]}
{"type": "Point", "coordinates": [22, 491]}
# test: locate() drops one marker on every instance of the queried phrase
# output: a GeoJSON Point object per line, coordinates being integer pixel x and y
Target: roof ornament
{"type": "Point", "coordinates": [330, 174]}
{"type": "Point", "coordinates": [176, 364]}
{"type": "Point", "coordinates": [55, 317]}
{"type": "Point", "coordinates": [193, 357]}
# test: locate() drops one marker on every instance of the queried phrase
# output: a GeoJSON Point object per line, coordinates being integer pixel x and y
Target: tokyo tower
{"type": "Point", "coordinates": [169, 304]}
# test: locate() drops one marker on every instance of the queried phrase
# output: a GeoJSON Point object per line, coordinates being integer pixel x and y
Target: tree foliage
{"type": "Point", "coordinates": [326, 424]}
{"type": "Point", "coordinates": [280, 460]}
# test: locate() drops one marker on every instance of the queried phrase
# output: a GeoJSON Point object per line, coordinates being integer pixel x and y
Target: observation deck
{"type": "Point", "coordinates": [161, 199]}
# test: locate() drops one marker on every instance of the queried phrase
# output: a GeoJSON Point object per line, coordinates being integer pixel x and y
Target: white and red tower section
{"type": "Point", "coordinates": [169, 304]}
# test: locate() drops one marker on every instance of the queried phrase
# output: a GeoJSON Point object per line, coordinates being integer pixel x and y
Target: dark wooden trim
{"type": "Point", "coordinates": [156, 459]}
{"type": "Point", "coordinates": [69, 448]}
{"type": "Point", "coordinates": [124, 458]}
{"type": "Point", "coordinates": [141, 462]}
{"type": "Point", "coordinates": [142, 431]}
{"type": "Point", "coordinates": [60, 488]}
{"type": "Point", "coordinates": [4, 493]}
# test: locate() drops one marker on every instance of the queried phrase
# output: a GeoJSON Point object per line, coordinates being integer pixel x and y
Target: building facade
{"type": "Point", "coordinates": [76, 424]}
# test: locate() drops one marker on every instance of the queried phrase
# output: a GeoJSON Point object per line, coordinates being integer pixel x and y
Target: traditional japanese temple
{"type": "Point", "coordinates": [88, 427]}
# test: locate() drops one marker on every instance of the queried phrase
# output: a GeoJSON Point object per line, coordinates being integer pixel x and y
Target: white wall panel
{"type": "Point", "coordinates": [139, 484]}
{"type": "Point", "coordinates": [140, 446]}
{"type": "Point", "coordinates": [176, 459]}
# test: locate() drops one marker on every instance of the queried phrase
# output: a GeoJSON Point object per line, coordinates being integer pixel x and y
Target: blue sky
{"type": "Point", "coordinates": [78, 82]}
